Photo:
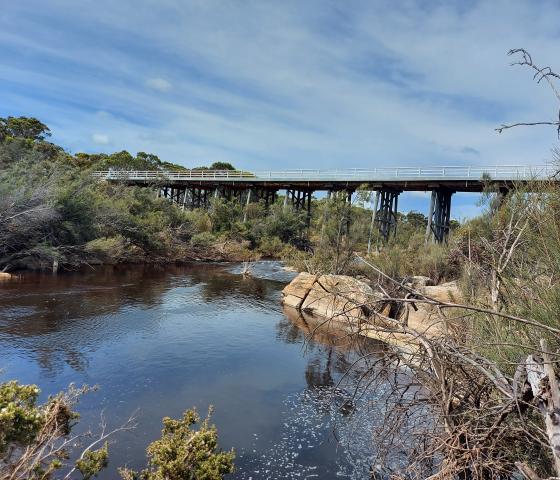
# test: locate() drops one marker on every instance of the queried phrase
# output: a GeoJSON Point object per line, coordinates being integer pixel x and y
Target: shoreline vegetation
{"type": "Point", "coordinates": [55, 215]}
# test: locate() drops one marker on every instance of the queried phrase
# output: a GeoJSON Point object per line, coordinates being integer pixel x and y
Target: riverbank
{"type": "Point", "coordinates": [106, 252]}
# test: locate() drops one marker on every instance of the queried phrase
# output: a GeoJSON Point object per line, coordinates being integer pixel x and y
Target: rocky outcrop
{"type": "Point", "coordinates": [297, 290]}
{"type": "Point", "coordinates": [428, 319]}
{"type": "Point", "coordinates": [329, 296]}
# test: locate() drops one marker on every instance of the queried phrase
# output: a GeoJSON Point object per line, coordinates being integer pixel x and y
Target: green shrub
{"type": "Point", "coordinates": [203, 240]}
{"type": "Point", "coordinates": [37, 441]}
{"type": "Point", "coordinates": [271, 246]}
{"type": "Point", "coordinates": [113, 249]}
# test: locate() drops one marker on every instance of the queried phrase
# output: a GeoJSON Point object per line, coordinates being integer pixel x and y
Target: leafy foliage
{"type": "Point", "coordinates": [53, 212]}
{"type": "Point", "coordinates": [37, 443]}
{"type": "Point", "coordinates": [183, 453]}
{"type": "Point", "coordinates": [23, 127]}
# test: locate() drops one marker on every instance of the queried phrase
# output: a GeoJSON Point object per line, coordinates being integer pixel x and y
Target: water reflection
{"type": "Point", "coordinates": [57, 320]}
{"type": "Point", "coordinates": [164, 339]}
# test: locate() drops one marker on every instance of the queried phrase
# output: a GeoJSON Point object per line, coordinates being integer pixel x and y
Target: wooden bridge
{"type": "Point", "coordinates": [195, 188]}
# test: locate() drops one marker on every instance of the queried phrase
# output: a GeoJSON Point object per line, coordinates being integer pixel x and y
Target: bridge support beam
{"type": "Point", "coordinates": [325, 214]}
{"type": "Point", "coordinates": [439, 216]}
{"type": "Point", "coordinates": [247, 205]}
{"type": "Point", "coordinates": [188, 197]}
{"type": "Point", "coordinates": [267, 195]}
{"type": "Point", "coordinates": [300, 200]}
{"type": "Point", "coordinates": [386, 216]}
{"type": "Point", "coordinates": [372, 224]}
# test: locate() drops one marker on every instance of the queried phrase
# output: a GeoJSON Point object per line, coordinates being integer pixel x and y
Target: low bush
{"type": "Point", "coordinates": [271, 247]}
{"type": "Point", "coordinates": [203, 240]}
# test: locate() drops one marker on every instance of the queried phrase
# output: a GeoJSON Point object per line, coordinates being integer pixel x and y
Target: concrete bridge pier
{"type": "Point", "coordinates": [386, 216]}
{"type": "Point", "coordinates": [349, 192]}
{"type": "Point", "coordinates": [439, 216]}
{"type": "Point", "coordinates": [373, 218]}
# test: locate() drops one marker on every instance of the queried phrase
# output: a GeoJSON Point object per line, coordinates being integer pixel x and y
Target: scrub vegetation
{"type": "Point", "coordinates": [37, 442]}
{"type": "Point", "coordinates": [54, 214]}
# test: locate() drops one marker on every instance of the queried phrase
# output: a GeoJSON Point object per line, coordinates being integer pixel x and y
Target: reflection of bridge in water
{"type": "Point", "coordinates": [195, 188]}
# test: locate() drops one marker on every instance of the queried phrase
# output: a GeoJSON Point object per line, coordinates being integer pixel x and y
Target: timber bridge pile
{"type": "Point", "coordinates": [195, 188]}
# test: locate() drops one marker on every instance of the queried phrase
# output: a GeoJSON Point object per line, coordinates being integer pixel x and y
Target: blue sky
{"type": "Point", "coordinates": [285, 84]}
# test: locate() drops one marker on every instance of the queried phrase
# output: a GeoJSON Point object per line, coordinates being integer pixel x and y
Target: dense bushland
{"type": "Point", "coordinates": [54, 214]}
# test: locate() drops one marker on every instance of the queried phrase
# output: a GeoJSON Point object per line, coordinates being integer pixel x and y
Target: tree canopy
{"type": "Point", "coordinates": [222, 166]}
{"type": "Point", "coordinates": [23, 127]}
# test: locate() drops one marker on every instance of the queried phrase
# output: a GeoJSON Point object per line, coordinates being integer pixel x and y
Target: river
{"type": "Point", "coordinates": [160, 340]}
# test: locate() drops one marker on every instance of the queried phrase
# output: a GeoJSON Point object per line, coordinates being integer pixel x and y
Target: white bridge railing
{"type": "Point", "coordinates": [496, 172]}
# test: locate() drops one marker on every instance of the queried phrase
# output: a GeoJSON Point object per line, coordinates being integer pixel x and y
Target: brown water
{"type": "Point", "coordinates": [160, 340]}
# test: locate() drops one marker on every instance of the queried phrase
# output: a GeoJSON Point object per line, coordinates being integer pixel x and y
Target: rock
{"type": "Point", "coordinates": [427, 319]}
{"type": "Point", "coordinates": [297, 290]}
{"type": "Point", "coordinates": [5, 276]}
{"type": "Point", "coordinates": [347, 302]}
{"type": "Point", "coordinates": [419, 281]}
{"type": "Point", "coordinates": [446, 292]}
{"type": "Point", "coordinates": [328, 295]}
{"type": "Point", "coordinates": [338, 295]}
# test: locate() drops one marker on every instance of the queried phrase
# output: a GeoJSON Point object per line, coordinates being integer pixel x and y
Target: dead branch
{"type": "Point", "coordinates": [541, 73]}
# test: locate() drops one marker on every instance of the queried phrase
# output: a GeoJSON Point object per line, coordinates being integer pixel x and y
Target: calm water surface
{"type": "Point", "coordinates": [160, 340]}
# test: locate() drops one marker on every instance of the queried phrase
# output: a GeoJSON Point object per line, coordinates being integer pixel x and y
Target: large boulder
{"type": "Point", "coordinates": [329, 296]}
{"type": "Point", "coordinates": [429, 319]}
{"type": "Point", "coordinates": [445, 292]}
{"type": "Point", "coordinates": [338, 296]}
{"type": "Point", "coordinates": [297, 290]}
{"type": "Point", "coordinates": [347, 302]}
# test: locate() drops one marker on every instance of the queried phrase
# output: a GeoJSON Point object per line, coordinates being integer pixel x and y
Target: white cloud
{"type": "Point", "coordinates": [289, 84]}
{"type": "Point", "coordinates": [100, 139]}
{"type": "Point", "coordinates": [159, 84]}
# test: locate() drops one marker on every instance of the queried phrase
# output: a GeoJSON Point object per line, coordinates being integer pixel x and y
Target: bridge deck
{"type": "Point", "coordinates": [458, 178]}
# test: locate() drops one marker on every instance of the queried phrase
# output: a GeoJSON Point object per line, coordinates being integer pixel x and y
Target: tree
{"type": "Point", "coordinates": [36, 439]}
{"type": "Point", "coordinates": [222, 166]}
{"type": "Point", "coordinates": [416, 220]}
{"type": "Point", "coordinates": [24, 127]}
{"type": "Point", "coordinates": [149, 160]}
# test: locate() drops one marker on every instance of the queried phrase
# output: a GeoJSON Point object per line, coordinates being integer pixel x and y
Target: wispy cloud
{"type": "Point", "coordinates": [158, 84]}
{"type": "Point", "coordinates": [100, 139]}
{"type": "Point", "coordinates": [283, 84]}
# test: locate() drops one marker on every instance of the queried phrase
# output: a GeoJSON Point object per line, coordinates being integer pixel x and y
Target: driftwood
{"type": "Point", "coordinates": [544, 385]}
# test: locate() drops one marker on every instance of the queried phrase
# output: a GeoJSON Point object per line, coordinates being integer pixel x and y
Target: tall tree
{"type": "Point", "coordinates": [24, 127]}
